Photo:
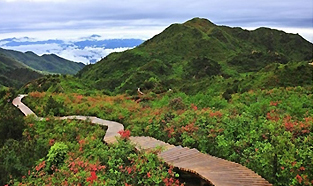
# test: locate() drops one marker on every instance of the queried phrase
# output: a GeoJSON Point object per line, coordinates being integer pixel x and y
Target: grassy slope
{"type": "Point", "coordinates": [59, 84]}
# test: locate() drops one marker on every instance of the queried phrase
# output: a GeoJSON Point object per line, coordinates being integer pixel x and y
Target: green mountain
{"type": "Point", "coordinates": [196, 54]}
{"type": "Point", "coordinates": [9, 63]}
{"type": "Point", "coordinates": [49, 63]}
{"type": "Point", "coordinates": [14, 73]}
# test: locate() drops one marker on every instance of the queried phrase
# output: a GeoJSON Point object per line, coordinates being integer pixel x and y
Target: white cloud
{"type": "Point", "coordinates": [73, 53]}
{"type": "Point", "coordinates": [88, 53]}
{"type": "Point", "coordinates": [3, 42]}
{"type": "Point", "coordinates": [37, 48]}
{"type": "Point", "coordinates": [126, 32]}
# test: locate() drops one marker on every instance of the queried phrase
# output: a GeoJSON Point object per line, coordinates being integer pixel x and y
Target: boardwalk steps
{"type": "Point", "coordinates": [213, 170]}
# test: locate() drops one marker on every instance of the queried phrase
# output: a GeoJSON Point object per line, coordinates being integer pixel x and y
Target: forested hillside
{"type": "Point", "coordinates": [200, 52]}
{"type": "Point", "coordinates": [49, 63]}
{"type": "Point", "coordinates": [15, 74]}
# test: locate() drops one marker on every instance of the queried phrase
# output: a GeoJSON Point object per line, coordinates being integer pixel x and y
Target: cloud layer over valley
{"type": "Point", "coordinates": [87, 50]}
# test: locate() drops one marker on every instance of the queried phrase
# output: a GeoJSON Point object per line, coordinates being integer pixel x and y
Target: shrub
{"type": "Point", "coordinates": [56, 155]}
{"type": "Point", "coordinates": [177, 104]}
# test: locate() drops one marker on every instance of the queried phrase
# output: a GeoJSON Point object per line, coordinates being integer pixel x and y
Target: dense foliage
{"type": "Point", "coordinates": [269, 131]}
{"type": "Point", "coordinates": [59, 84]}
{"type": "Point", "coordinates": [11, 122]}
{"type": "Point", "coordinates": [11, 129]}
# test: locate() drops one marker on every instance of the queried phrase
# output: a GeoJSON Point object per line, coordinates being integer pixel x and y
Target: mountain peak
{"type": "Point", "coordinates": [199, 23]}
{"type": "Point", "coordinates": [30, 53]}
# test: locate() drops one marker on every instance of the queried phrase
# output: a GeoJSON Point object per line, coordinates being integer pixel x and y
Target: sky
{"type": "Point", "coordinates": [68, 19]}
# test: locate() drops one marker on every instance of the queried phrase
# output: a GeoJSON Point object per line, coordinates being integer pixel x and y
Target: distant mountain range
{"type": "Point", "coordinates": [50, 63]}
{"type": "Point", "coordinates": [87, 49]}
{"type": "Point", "coordinates": [17, 68]}
{"type": "Point", "coordinates": [198, 54]}
{"type": "Point", "coordinates": [14, 73]}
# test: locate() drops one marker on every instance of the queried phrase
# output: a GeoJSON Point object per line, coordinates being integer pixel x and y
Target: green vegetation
{"type": "Point", "coordinates": [71, 152]}
{"type": "Point", "coordinates": [196, 52]}
{"type": "Point", "coordinates": [59, 84]}
{"type": "Point", "coordinates": [47, 63]}
{"type": "Point", "coordinates": [11, 70]}
{"type": "Point", "coordinates": [269, 131]}
{"type": "Point", "coordinates": [11, 121]}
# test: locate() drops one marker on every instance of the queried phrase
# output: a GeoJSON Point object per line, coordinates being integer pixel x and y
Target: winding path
{"type": "Point", "coordinates": [213, 170]}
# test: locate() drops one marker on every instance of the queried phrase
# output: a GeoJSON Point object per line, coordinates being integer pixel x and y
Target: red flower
{"type": "Point", "coordinates": [93, 177]}
{"type": "Point", "coordinates": [148, 174]}
{"type": "Point", "coordinates": [274, 103]}
{"type": "Point", "coordinates": [51, 142]}
{"type": "Point", "coordinates": [194, 107]}
{"type": "Point", "coordinates": [124, 134]}
{"type": "Point", "coordinates": [169, 171]}
{"type": "Point", "coordinates": [282, 168]}
{"type": "Point", "coordinates": [93, 167]}
{"type": "Point", "coordinates": [216, 114]}
{"type": "Point", "coordinates": [81, 144]}
{"type": "Point", "coordinates": [302, 169]}
{"type": "Point", "coordinates": [65, 183]}
{"type": "Point", "coordinates": [40, 166]}
{"type": "Point", "coordinates": [129, 170]}
{"type": "Point", "coordinates": [299, 178]}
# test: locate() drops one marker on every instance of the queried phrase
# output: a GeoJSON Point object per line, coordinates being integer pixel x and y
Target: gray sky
{"type": "Point", "coordinates": [142, 19]}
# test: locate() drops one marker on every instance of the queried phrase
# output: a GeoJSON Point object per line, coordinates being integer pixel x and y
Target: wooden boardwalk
{"type": "Point", "coordinates": [213, 170]}
{"type": "Point", "coordinates": [216, 171]}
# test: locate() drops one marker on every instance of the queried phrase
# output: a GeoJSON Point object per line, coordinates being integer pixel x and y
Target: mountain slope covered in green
{"type": "Point", "coordinates": [199, 52]}
{"type": "Point", "coordinates": [15, 74]}
{"type": "Point", "coordinates": [49, 63]}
